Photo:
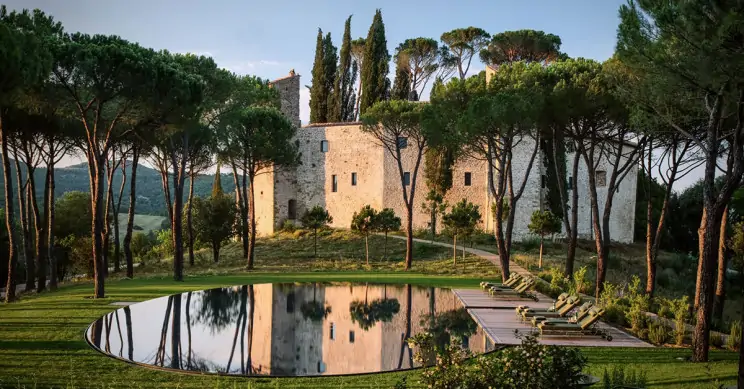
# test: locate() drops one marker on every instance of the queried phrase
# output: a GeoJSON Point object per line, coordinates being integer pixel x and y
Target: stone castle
{"type": "Point", "coordinates": [343, 169]}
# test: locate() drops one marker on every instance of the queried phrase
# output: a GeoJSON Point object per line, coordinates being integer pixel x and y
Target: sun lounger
{"type": "Point", "coordinates": [557, 304]}
{"type": "Point", "coordinates": [571, 303]}
{"type": "Point", "coordinates": [510, 282]}
{"type": "Point", "coordinates": [585, 327]}
{"type": "Point", "coordinates": [568, 318]}
{"type": "Point", "coordinates": [519, 292]}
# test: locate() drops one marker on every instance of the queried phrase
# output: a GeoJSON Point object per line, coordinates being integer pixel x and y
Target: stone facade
{"type": "Point", "coordinates": [343, 169]}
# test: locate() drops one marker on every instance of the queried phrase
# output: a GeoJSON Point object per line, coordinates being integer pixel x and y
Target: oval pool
{"type": "Point", "coordinates": [307, 329]}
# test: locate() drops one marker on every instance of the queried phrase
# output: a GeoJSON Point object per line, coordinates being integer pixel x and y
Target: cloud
{"type": "Point", "coordinates": [304, 105]}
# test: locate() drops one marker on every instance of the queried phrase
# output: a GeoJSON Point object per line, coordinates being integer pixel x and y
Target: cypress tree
{"type": "Point", "coordinates": [343, 89]}
{"type": "Point", "coordinates": [375, 84]}
{"type": "Point", "coordinates": [402, 83]}
{"type": "Point", "coordinates": [318, 96]}
{"type": "Point", "coordinates": [330, 58]}
{"type": "Point", "coordinates": [217, 184]}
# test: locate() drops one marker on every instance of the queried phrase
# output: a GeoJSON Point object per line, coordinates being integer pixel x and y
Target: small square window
{"type": "Point", "coordinates": [321, 367]}
{"type": "Point", "coordinates": [334, 183]}
{"type": "Point", "coordinates": [406, 178]}
{"type": "Point", "coordinates": [332, 334]}
{"type": "Point", "coordinates": [402, 142]}
{"type": "Point", "coordinates": [324, 146]}
{"type": "Point", "coordinates": [353, 179]}
{"type": "Point", "coordinates": [570, 183]}
{"type": "Point", "coordinates": [351, 337]}
{"type": "Point", "coordinates": [468, 178]}
{"type": "Point", "coordinates": [600, 177]}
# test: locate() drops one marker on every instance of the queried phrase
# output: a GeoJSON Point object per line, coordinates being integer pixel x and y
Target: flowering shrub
{"type": "Point", "coordinates": [530, 365]}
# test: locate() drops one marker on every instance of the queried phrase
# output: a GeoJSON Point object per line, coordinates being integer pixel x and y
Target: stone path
{"type": "Point", "coordinates": [493, 258]}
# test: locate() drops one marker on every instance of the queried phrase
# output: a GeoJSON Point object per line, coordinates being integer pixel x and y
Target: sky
{"type": "Point", "coordinates": [268, 38]}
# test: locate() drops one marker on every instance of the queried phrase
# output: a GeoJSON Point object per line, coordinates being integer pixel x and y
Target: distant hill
{"type": "Point", "coordinates": [150, 200]}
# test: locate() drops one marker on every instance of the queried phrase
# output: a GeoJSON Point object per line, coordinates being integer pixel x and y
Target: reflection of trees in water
{"type": "Point", "coordinates": [244, 327]}
{"type": "Point", "coordinates": [448, 325]}
{"type": "Point", "coordinates": [314, 310]}
{"type": "Point", "coordinates": [367, 314]}
{"type": "Point", "coordinates": [217, 308]}
{"type": "Point", "coordinates": [404, 336]}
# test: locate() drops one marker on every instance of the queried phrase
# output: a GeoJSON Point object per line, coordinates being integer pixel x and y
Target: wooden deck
{"type": "Point", "coordinates": [499, 321]}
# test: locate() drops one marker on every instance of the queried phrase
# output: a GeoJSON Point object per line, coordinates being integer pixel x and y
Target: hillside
{"type": "Point", "coordinates": [150, 199]}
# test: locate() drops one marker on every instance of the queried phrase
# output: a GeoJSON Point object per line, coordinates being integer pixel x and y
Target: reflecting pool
{"type": "Point", "coordinates": [286, 329]}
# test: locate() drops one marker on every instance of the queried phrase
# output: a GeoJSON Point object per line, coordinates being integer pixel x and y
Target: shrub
{"type": "Point", "coordinates": [529, 365]}
{"type": "Point", "coordinates": [557, 280]}
{"type": "Point", "coordinates": [618, 378]}
{"type": "Point", "coordinates": [716, 339]}
{"type": "Point", "coordinates": [680, 311]}
{"type": "Point", "coordinates": [639, 304]}
{"type": "Point", "coordinates": [734, 340]}
{"type": "Point", "coordinates": [289, 227]}
{"type": "Point", "coordinates": [667, 278]}
{"type": "Point", "coordinates": [530, 243]}
{"type": "Point", "coordinates": [658, 334]}
{"type": "Point", "coordinates": [580, 283]}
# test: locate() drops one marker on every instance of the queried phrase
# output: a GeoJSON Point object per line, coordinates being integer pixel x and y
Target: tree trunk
{"type": "Point", "coordinates": [216, 251]}
{"type": "Point", "coordinates": [315, 242]}
{"type": "Point", "coordinates": [42, 267]}
{"type": "Point", "coordinates": [366, 246]}
{"type": "Point", "coordinates": [540, 262]}
{"type": "Point", "coordinates": [740, 379]}
{"type": "Point", "coordinates": [454, 250]}
{"type": "Point", "coordinates": [409, 236]}
{"type": "Point", "coordinates": [107, 212]}
{"type": "Point", "coordinates": [433, 221]}
{"type": "Point", "coordinates": [53, 273]}
{"type": "Point", "coordinates": [95, 170]}
{"type": "Point", "coordinates": [189, 224]}
{"type": "Point", "coordinates": [39, 240]}
{"type": "Point", "coordinates": [130, 214]}
{"type": "Point", "coordinates": [10, 285]}
{"type": "Point", "coordinates": [128, 323]}
{"type": "Point", "coordinates": [25, 237]}
{"type": "Point", "coordinates": [650, 259]}
{"type": "Point", "coordinates": [385, 245]}
{"type": "Point", "coordinates": [252, 225]}
{"type": "Point", "coordinates": [117, 209]}
{"type": "Point", "coordinates": [720, 296]}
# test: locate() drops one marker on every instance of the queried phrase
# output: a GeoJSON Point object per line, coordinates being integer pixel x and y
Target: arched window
{"type": "Point", "coordinates": [292, 209]}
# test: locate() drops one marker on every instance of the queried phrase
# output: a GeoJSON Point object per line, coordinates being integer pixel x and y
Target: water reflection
{"type": "Point", "coordinates": [286, 329]}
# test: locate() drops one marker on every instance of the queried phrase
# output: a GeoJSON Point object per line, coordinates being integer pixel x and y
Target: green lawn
{"type": "Point", "coordinates": [42, 345]}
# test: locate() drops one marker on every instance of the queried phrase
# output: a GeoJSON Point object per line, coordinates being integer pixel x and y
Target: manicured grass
{"type": "Point", "coordinates": [42, 345]}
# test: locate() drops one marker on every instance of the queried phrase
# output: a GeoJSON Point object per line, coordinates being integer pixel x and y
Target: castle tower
{"type": "Point", "coordinates": [289, 92]}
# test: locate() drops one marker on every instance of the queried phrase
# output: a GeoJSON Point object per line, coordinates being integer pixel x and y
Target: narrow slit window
{"type": "Point", "coordinates": [334, 183]}
{"type": "Point", "coordinates": [332, 333]}
{"type": "Point", "coordinates": [292, 209]}
{"type": "Point", "coordinates": [324, 146]}
{"type": "Point", "coordinates": [468, 178]}
{"type": "Point", "coordinates": [570, 183]}
{"type": "Point", "coordinates": [406, 178]}
{"type": "Point", "coordinates": [543, 180]}
{"type": "Point", "coordinates": [290, 302]}
{"type": "Point", "coordinates": [351, 336]}
{"type": "Point", "coordinates": [353, 179]}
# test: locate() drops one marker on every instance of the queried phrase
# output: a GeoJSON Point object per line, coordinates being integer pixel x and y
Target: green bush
{"type": "Point", "coordinates": [679, 310]}
{"type": "Point", "coordinates": [548, 289]}
{"type": "Point", "coordinates": [618, 378]}
{"type": "Point", "coordinates": [667, 278]}
{"type": "Point", "coordinates": [289, 227]}
{"type": "Point", "coordinates": [716, 340]}
{"type": "Point", "coordinates": [529, 365]}
{"type": "Point", "coordinates": [580, 284]}
{"type": "Point", "coordinates": [658, 334]}
{"type": "Point", "coordinates": [530, 243]}
{"type": "Point", "coordinates": [639, 305]}
{"type": "Point", "coordinates": [734, 340]}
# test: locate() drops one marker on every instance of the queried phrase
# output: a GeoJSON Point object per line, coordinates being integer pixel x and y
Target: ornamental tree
{"type": "Point", "coordinates": [364, 222]}
{"type": "Point", "coordinates": [387, 222]}
{"type": "Point", "coordinates": [461, 220]}
{"type": "Point", "coordinates": [395, 125]}
{"type": "Point", "coordinates": [544, 223]}
{"type": "Point", "coordinates": [213, 219]}
{"type": "Point", "coordinates": [316, 218]}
